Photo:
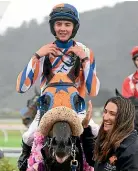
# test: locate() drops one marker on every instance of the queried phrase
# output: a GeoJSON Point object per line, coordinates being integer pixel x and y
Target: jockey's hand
{"type": "Point", "coordinates": [86, 120]}
{"type": "Point", "coordinates": [78, 51]}
{"type": "Point", "coordinates": [48, 49]}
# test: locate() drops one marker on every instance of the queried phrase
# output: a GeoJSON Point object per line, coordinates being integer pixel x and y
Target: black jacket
{"type": "Point", "coordinates": [125, 158]}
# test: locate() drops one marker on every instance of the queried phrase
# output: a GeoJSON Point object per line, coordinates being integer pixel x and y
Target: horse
{"type": "Point", "coordinates": [61, 90]}
{"type": "Point", "coordinates": [62, 150]}
{"type": "Point", "coordinates": [60, 123]}
{"type": "Point", "coordinates": [134, 100]}
{"type": "Point", "coordinates": [28, 113]}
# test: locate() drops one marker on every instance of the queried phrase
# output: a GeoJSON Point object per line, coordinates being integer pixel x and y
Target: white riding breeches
{"type": "Point", "coordinates": [28, 136]}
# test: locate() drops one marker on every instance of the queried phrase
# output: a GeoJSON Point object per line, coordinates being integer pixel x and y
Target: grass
{"type": "Point", "coordinates": [7, 165]}
{"type": "Point", "coordinates": [14, 139]}
{"type": "Point", "coordinates": [13, 161]}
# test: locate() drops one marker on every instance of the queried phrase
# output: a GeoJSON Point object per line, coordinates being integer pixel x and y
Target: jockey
{"type": "Point", "coordinates": [130, 84]}
{"type": "Point", "coordinates": [64, 23]}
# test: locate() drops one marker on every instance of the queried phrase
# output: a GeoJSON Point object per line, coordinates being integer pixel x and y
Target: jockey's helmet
{"type": "Point", "coordinates": [64, 12]}
{"type": "Point", "coordinates": [134, 52]}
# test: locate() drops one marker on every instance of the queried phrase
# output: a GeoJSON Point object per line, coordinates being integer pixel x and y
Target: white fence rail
{"type": "Point", "coordinates": [4, 128]}
{"type": "Point", "coordinates": [11, 152]}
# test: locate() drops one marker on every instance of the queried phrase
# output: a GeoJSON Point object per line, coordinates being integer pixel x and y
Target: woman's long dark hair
{"type": "Point", "coordinates": [124, 124]}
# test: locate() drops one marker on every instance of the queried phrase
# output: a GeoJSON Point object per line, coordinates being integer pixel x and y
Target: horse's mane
{"type": "Point", "coordinates": [133, 99]}
{"type": "Point", "coordinates": [32, 101]}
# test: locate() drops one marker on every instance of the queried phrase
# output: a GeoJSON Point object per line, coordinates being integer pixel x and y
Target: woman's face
{"type": "Point", "coordinates": [63, 29]}
{"type": "Point", "coordinates": [109, 116]}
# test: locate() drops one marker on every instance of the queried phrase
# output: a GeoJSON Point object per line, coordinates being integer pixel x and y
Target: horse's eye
{"type": "Point", "coordinates": [78, 103]}
{"type": "Point", "coordinates": [45, 104]}
{"type": "Point", "coordinates": [76, 99]}
{"type": "Point", "coordinates": [47, 100]}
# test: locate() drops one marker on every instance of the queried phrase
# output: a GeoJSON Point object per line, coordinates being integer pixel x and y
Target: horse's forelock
{"type": "Point", "coordinates": [32, 102]}
{"type": "Point", "coordinates": [61, 130]}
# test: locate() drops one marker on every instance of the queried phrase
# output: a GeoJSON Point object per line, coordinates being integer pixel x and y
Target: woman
{"type": "Point", "coordinates": [116, 146]}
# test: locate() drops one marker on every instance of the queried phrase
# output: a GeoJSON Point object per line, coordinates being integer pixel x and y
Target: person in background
{"type": "Point", "coordinates": [130, 83]}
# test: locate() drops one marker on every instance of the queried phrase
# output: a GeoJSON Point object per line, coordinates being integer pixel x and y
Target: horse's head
{"type": "Point", "coordinates": [61, 90]}
{"type": "Point", "coordinates": [62, 124]}
{"type": "Point", "coordinates": [61, 143]}
{"type": "Point", "coordinates": [29, 112]}
{"type": "Point", "coordinates": [134, 100]}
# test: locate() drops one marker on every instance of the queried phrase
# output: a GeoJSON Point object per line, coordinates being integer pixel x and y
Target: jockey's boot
{"type": "Point", "coordinates": [22, 161]}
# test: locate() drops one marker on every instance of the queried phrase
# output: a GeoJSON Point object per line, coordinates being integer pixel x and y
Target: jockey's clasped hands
{"type": "Point", "coordinates": [55, 51]}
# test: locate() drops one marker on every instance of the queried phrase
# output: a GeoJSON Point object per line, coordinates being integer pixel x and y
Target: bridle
{"type": "Point", "coordinates": [48, 154]}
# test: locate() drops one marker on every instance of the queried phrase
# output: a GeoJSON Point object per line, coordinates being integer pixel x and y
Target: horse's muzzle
{"type": "Point", "coordinates": [60, 154]}
{"type": "Point", "coordinates": [61, 160]}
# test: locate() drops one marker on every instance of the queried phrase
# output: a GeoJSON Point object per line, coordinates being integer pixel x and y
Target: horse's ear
{"type": "Point", "coordinates": [118, 93]}
{"type": "Point", "coordinates": [75, 70]}
{"type": "Point", "coordinates": [47, 69]}
{"type": "Point", "coordinates": [28, 101]}
{"type": "Point", "coordinates": [36, 92]}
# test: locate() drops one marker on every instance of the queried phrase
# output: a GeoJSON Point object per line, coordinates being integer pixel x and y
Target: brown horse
{"type": "Point", "coordinates": [28, 113]}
